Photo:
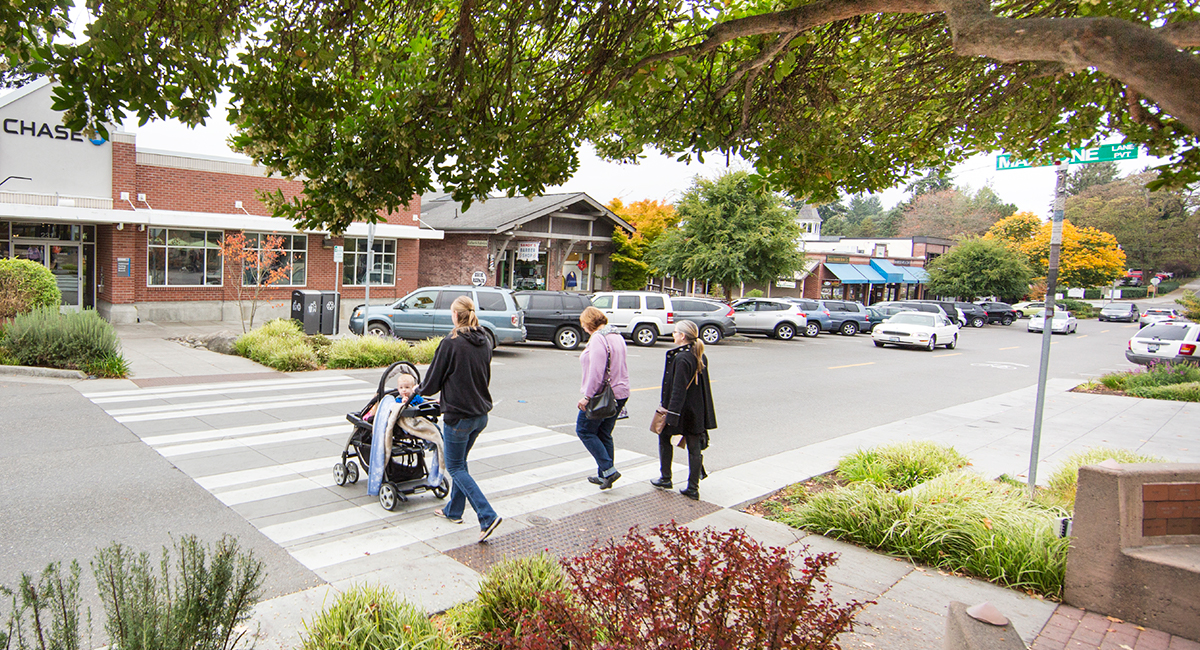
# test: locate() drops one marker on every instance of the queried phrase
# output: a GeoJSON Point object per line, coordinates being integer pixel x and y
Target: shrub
{"type": "Point", "coordinates": [1190, 304]}
{"type": "Point", "coordinates": [1158, 374]}
{"type": "Point", "coordinates": [280, 344]}
{"type": "Point", "coordinates": [1060, 487]}
{"type": "Point", "coordinates": [511, 590]}
{"type": "Point", "coordinates": [109, 365]}
{"type": "Point", "coordinates": [26, 285]}
{"type": "Point", "coordinates": [678, 588]}
{"type": "Point", "coordinates": [201, 607]}
{"type": "Point", "coordinates": [958, 521]}
{"type": "Point", "coordinates": [43, 614]}
{"type": "Point", "coordinates": [422, 351]}
{"type": "Point", "coordinates": [754, 293]}
{"type": "Point", "coordinates": [46, 337]}
{"type": "Point", "coordinates": [1177, 392]}
{"type": "Point", "coordinates": [902, 465]}
{"type": "Point", "coordinates": [367, 352]}
{"type": "Point", "coordinates": [369, 618]}
{"type": "Point", "coordinates": [1078, 307]}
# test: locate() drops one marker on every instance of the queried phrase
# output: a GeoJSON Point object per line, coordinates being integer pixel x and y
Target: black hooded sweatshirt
{"type": "Point", "coordinates": [461, 371]}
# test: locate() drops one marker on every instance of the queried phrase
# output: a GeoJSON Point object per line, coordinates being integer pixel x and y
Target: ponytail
{"type": "Point", "coordinates": [463, 311]}
{"type": "Point", "coordinates": [692, 334]}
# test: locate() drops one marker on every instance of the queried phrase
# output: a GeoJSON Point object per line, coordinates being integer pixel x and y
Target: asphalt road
{"type": "Point", "coordinates": [774, 395]}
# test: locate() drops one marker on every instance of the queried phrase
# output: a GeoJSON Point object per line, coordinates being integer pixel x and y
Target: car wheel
{"type": "Point", "coordinates": [953, 342]}
{"type": "Point", "coordinates": [849, 328]}
{"type": "Point", "coordinates": [645, 336]}
{"type": "Point", "coordinates": [567, 338]}
{"type": "Point", "coordinates": [811, 330]}
{"type": "Point", "coordinates": [932, 344]}
{"type": "Point", "coordinates": [978, 321]}
{"type": "Point", "coordinates": [785, 331]}
{"type": "Point", "coordinates": [378, 329]}
{"type": "Point", "coordinates": [1006, 321]}
{"type": "Point", "coordinates": [491, 338]}
{"type": "Point", "coordinates": [878, 344]}
{"type": "Point", "coordinates": [710, 334]}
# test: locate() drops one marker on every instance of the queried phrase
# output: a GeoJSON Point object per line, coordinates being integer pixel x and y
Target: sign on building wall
{"type": "Point", "coordinates": [124, 267]}
{"type": "Point", "coordinates": [527, 251]}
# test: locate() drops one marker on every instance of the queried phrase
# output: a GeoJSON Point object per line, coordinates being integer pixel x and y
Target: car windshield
{"type": "Point", "coordinates": [912, 318]}
{"type": "Point", "coordinates": [1164, 331]}
{"type": "Point", "coordinates": [1058, 314]}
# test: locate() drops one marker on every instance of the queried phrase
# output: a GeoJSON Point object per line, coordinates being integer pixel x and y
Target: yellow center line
{"type": "Point", "coordinates": [634, 390]}
{"type": "Point", "coordinates": [1015, 347]}
{"type": "Point", "coordinates": [1082, 336]}
{"type": "Point", "coordinates": [943, 356]}
{"type": "Point", "coordinates": [853, 365]}
{"type": "Point", "coordinates": [1104, 331]}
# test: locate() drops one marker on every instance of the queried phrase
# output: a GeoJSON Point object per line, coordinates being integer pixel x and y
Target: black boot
{"type": "Point", "coordinates": [664, 483]}
{"type": "Point", "coordinates": [691, 493]}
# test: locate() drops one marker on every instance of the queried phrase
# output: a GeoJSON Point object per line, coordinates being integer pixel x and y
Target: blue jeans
{"type": "Point", "coordinates": [596, 436]}
{"type": "Point", "coordinates": [459, 438]}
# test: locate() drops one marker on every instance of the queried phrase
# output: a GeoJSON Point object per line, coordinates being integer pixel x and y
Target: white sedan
{"type": "Point", "coordinates": [1064, 322]}
{"type": "Point", "coordinates": [916, 329]}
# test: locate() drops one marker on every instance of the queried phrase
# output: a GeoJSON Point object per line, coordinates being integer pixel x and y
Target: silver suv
{"type": "Point", "coordinates": [777, 318]}
{"type": "Point", "coordinates": [641, 316]}
{"type": "Point", "coordinates": [425, 313]}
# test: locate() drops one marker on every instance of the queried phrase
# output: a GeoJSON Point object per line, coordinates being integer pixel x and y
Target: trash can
{"type": "Point", "coordinates": [306, 308]}
{"type": "Point", "coordinates": [330, 308]}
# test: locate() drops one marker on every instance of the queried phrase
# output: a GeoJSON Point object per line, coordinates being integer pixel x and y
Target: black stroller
{"type": "Point", "coordinates": [414, 466]}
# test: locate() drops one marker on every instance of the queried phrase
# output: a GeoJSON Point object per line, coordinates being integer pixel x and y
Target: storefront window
{"type": "Point", "coordinates": [354, 273]}
{"type": "Point", "coordinates": [183, 258]}
{"type": "Point", "coordinates": [56, 231]}
{"type": "Point", "coordinates": [4, 240]}
{"type": "Point", "coordinates": [294, 251]}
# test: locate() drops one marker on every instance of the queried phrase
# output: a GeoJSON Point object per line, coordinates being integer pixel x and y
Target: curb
{"type": "Point", "coordinates": [32, 371]}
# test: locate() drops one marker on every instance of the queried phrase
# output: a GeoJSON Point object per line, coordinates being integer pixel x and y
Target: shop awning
{"type": "Point", "coordinates": [872, 276]}
{"type": "Point", "coordinates": [914, 275]}
{"type": "Point", "coordinates": [889, 271]}
{"type": "Point", "coordinates": [847, 273]}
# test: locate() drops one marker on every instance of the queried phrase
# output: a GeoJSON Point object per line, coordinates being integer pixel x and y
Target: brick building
{"type": "Point", "coordinates": [134, 233]}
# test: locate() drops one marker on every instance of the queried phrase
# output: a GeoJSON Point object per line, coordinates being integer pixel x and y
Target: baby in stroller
{"type": "Point", "coordinates": [397, 440]}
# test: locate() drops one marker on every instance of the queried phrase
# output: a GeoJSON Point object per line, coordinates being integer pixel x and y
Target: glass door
{"type": "Point", "coordinates": [64, 262]}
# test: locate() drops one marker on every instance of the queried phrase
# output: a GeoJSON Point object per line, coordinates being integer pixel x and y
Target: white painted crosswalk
{"type": "Point", "coordinates": [267, 449]}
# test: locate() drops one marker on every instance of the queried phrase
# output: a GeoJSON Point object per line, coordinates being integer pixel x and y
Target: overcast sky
{"type": "Point", "coordinates": [660, 177]}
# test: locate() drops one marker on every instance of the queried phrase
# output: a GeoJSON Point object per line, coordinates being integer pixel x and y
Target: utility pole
{"type": "Point", "coordinates": [1060, 194]}
{"type": "Point", "coordinates": [370, 268]}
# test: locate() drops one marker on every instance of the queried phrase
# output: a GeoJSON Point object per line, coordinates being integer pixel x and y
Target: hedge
{"type": "Point", "coordinates": [26, 285]}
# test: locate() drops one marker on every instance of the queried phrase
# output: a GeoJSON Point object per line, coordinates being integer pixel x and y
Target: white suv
{"type": "Point", "coordinates": [778, 318]}
{"type": "Point", "coordinates": [641, 316]}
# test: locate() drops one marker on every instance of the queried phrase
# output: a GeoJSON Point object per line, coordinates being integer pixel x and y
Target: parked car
{"type": "Point", "coordinates": [845, 317]}
{"type": "Point", "coordinates": [1165, 341]}
{"type": "Point", "coordinates": [1115, 311]}
{"type": "Point", "coordinates": [714, 319]}
{"type": "Point", "coordinates": [818, 318]}
{"type": "Point", "coordinates": [999, 312]}
{"type": "Point", "coordinates": [1064, 322]}
{"type": "Point", "coordinates": [953, 312]}
{"type": "Point", "coordinates": [425, 313]}
{"type": "Point", "coordinates": [975, 315]}
{"type": "Point", "coordinates": [641, 316]}
{"type": "Point", "coordinates": [876, 314]}
{"type": "Point", "coordinates": [553, 316]}
{"type": "Point", "coordinates": [1154, 314]}
{"type": "Point", "coordinates": [920, 305]}
{"type": "Point", "coordinates": [773, 317]}
{"type": "Point", "coordinates": [1027, 309]}
{"type": "Point", "coordinates": [916, 329]}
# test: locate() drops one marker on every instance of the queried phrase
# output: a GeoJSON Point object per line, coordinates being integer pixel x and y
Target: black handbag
{"type": "Point", "coordinates": [602, 405]}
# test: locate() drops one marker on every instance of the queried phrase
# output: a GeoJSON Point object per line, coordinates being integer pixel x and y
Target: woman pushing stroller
{"type": "Point", "coordinates": [687, 398]}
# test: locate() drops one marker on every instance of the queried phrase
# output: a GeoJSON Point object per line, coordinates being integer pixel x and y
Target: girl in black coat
{"type": "Point", "coordinates": [687, 398]}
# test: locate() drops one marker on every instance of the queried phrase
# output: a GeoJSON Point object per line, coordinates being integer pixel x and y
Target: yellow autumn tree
{"type": "Point", "coordinates": [1089, 257]}
{"type": "Point", "coordinates": [1016, 229]}
{"type": "Point", "coordinates": [650, 218]}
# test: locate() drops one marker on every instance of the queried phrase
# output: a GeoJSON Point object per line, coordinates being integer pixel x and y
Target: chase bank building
{"type": "Point", "coordinates": [135, 233]}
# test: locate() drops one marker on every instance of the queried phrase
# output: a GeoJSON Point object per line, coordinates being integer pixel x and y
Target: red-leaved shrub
{"type": "Point", "coordinates": [678, 589]}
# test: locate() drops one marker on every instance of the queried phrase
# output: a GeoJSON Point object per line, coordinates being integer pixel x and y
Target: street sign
{"type": "Point", "coordinates": [339, 254]}
{"type": "Point", "coordinates": [1155, 281]}
{"type": "Point", "coordinates": [1103, 153]}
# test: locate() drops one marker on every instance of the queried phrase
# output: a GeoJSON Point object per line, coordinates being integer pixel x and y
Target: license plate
{"type": "Point", "coordinates": [1152, 348]}
{"type": "Point", "coordinates": [893, 338]}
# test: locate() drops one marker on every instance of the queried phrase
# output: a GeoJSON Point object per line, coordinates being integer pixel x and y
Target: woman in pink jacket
{"type": "Point", "coordinates": [605, 349]}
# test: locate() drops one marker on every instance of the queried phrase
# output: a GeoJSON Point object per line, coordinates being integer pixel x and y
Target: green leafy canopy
{"type": "Point", "coordinates": [980, 267]}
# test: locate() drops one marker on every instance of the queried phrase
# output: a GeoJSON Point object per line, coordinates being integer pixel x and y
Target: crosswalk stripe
{"type": "Point", "coordinates": [282, 382]}
{"type": "Point", "coordinates": [258, 402]}
{"type": "Point", "coordinates": [231, 432]}
{"type": "Point", "coordinates": [202, 392]}
{"type": "Point", "coordinates": [241, 477]}
{"type": "Point", "coordinates": [191, 412]}
{"type": "Point", "coordinates": [251, 441]}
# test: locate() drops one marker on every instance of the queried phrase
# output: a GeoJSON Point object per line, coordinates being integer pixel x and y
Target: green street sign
{"type": "Point", "coordinates": [1103, 153]}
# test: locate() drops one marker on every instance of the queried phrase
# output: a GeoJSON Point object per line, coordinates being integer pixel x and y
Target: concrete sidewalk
{"type": "Point", "coordinates": [911, 601]}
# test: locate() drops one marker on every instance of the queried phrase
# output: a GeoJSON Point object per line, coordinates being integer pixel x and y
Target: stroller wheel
{"type": "Point", "coordinates": [352, 472]}
{"type": "Point", "coordinates": [339, 474]}
{"type": "Point", "coordinates": [442, 489]}
{"type": "Point", "coordinates": [389, 496]}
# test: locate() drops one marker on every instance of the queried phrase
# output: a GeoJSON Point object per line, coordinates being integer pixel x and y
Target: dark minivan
{"type": "Point", "coordinates": [553, 316]}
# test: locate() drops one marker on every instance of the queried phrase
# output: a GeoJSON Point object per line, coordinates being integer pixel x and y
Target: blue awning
{"type": "Point", "coordinates": [914, 275]}
{"type": "Point", "coordinates": [872, 276]}
{"type": "Point", "coordinates": [889, 271]}
{"type": "Point", "coordinates": [847, 273]}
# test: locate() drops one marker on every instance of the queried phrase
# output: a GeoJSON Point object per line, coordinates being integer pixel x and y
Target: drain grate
{"type": "Point", "coordinates": [574, 535]}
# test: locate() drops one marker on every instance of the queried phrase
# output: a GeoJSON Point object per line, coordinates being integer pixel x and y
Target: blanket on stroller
{"type": "Point", "coordinates": [381, 442]}
{"type": "Point", "coordinates": [427, 431]}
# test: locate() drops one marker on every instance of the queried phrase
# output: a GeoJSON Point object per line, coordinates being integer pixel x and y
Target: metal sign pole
{"type": "Point", "coordinates": [370, 268]}
{"type": "Point", "coordinates": [1060, 190]}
